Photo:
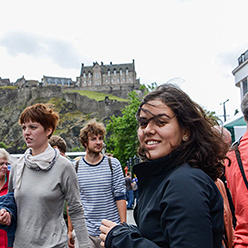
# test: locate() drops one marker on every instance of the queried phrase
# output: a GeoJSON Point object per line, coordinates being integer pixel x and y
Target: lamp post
{"type": "Point", "coordinates": [224, 109]}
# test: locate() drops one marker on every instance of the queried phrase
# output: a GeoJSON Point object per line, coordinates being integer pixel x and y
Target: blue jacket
{"type": "Point", "coordinates": [178, 206]}
{"type": "Point", "coordinates": [8, 202]}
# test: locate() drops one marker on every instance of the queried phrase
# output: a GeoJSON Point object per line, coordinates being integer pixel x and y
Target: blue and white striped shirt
{"type": "Point", "coordinates": [99, 189]}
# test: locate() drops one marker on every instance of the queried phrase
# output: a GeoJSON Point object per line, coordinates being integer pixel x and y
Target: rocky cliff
{"type": "Point", "coordinates": [74, 111]}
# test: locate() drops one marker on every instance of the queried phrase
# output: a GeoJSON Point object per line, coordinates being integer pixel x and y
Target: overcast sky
{"type": "Point", "coordinates": [193, 42]}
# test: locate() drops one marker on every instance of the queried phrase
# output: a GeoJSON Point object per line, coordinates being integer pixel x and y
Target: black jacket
{"type": "Point", "coordinates": [179, 207]}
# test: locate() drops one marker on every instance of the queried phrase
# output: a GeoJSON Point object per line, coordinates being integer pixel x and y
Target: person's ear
{"type": "Point", "coordinates": [49, 131]}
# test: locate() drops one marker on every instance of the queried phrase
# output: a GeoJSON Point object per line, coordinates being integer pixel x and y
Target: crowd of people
{"type": "Point", "coordinates": [189, 190]}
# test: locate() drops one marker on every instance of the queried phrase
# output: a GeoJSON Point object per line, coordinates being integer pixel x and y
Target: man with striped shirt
{"type": "Point", "coordinates": [101, 182]}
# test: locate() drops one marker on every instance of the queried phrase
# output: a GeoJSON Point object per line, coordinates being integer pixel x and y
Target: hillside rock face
{"type": "Point", "coordinates": [74, 110]}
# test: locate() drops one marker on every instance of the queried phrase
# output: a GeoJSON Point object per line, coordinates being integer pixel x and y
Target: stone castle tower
{"type": "Point", "coordinates": [118, 79]}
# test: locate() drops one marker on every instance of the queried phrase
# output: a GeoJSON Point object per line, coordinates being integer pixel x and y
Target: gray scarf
{"type": "Point", "coordinates": [43, 161]}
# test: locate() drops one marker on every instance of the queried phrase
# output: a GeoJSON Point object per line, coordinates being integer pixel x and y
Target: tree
{"type": "Point", "coordinates": [212, 116]}
{"type": "Point", "coordinates": [152, 86]}
{"type": "Point", "coordinates": [148, 88]}
{"type": "Point", "coordinates": [122, 139]}
{"type": "Point", "coordinates": [2, 145]}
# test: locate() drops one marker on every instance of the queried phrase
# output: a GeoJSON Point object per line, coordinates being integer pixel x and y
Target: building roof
{"type": "Point", "coordinates": [56, 80]}
{"type": "Point", "coordinates": [49, 77]}
{"type": "Point", "coordinates": [111, 67]}
{"type": "Point", "coordinates": [5, 81]}
{"type": "Point", "coordinates": [238, 121]}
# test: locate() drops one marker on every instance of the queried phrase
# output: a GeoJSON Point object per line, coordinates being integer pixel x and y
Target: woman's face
{"type": "Point", "coordinates": [35, 136]}
{"type": "Point", "coordinates": [3, 167]}
{"type": "Point", "coordinates": [159, 131]}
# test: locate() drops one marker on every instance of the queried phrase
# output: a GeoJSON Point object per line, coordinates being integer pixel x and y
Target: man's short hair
{"type": "Point", "coordinates": [58, 141]}
{"type": "Point", "coordinates": [244, 106]}
{"type": "Point", "coordinates": [92, 127]}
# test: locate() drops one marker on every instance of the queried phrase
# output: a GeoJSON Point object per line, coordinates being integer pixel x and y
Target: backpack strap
{"type": "Point", "coordinates": [237, 153]}
{"type": "Point", "coordinates": [229, 197]}
{"type": "Point", "coordinates": [110, 165]}
{"type": "Point", "coordinates": [76, 165]}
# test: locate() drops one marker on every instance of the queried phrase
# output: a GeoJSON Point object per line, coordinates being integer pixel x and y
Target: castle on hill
{"type": "Point", "coordinates": [117, 79]}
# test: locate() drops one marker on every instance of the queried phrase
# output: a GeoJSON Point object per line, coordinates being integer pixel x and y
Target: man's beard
{"type": "Point", "coordinates": [94, 152]}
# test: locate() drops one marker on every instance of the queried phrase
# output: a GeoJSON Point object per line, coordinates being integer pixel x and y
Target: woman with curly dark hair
{"type": "Point", "coordinates": [179, 203]}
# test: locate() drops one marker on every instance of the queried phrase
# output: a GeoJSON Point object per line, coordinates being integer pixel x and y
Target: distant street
{"type": "Point", "coordinates": [130, 219]}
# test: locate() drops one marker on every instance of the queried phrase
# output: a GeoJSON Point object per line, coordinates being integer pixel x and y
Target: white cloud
{"type": "Point", "coordinates": [60, 52]}
{"type": "Point", "coordinates": [196, 40]}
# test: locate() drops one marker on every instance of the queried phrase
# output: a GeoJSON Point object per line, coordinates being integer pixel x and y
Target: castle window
{"type": "Point", "coordinates": [126, 71]}
{"type": "Point", "coordinates": [108, 72]}
{"type": "Point", "coordinates": [114, 71]}
{"type": "Point", "coordinates": [121, 72]}
{"type": "Point", "coordinates": [89, 75]}
{"type": "Point", "coordinates": [84, 75]}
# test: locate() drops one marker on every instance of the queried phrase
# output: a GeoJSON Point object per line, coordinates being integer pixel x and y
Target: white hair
{"type": "Point", "coordinates": [4, 154]}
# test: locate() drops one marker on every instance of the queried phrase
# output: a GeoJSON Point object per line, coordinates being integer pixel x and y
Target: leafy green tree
{"type": "Point", "coordinates": [212, 115]}
{"type": "Point", "coordinates": [2, 145]}
{"type": "Point", "coordinates": [122, 139]}
{"type": "Point", "coordinates": [148, 88]}
{"type": "Point", "coordinates": [152, 86]}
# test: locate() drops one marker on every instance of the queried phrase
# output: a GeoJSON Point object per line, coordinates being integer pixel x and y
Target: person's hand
{"type": "Point", "coordinates": [105, 227]}
{"type": "Point", "coordinates": [71, 240]}
{"type": "Point", "coordinates": [5, 217]}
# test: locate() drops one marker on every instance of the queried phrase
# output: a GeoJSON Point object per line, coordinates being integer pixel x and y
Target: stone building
{"type": "Point", "coordinates": [237, 125]}
{"type": "Point", "coordinates": [241, 74]}
{"type": "Point", "coordinates": [4, 82]}
{"type": "Point", "coordinates": [112, 78]}
{"type": "Point", "coordinates": [115, 79]}
{"type": "Point", "coordinates": [22, 82]}
{"type": "Point", "coordinates": [58, 81]}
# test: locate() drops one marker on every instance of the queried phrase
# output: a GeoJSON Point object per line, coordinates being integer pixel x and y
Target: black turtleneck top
{"type": "Point", "coordinates": [179, 207]}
